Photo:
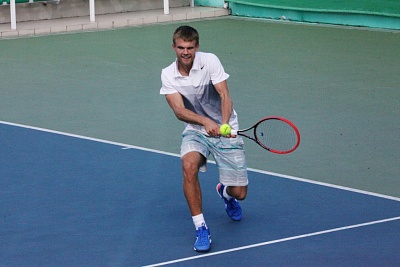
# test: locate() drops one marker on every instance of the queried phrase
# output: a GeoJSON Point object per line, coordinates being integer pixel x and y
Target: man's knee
{"type": "Point", "coordinates": [238, 192]}
{"type": "Point", "coordinates": [191, 163]}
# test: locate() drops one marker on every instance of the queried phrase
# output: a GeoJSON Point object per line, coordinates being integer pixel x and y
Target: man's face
{"type": "Point", "coordinates": [185, 51]}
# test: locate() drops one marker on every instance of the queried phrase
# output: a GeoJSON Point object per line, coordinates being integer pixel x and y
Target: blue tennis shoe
{"type": "Point", "coordinates": [203, 239]}
{"type": "Point", "coordinates": [232, 206]}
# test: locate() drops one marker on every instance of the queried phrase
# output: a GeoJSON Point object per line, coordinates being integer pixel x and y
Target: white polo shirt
{"type": "Point", "coordinates": [197, 89]}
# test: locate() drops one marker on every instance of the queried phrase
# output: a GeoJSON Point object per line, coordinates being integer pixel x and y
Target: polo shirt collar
{"type": "Point", "coordinates": [196, 65]}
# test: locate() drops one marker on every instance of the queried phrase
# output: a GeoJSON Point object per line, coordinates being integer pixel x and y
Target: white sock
{"type": "Point", "coordinates": [228, 197]}
{"type": "Point", "coordinates": [199, 221]}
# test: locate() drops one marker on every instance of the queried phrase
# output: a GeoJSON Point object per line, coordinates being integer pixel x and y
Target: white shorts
{"type": "Point", "coordinates": [228, 153]}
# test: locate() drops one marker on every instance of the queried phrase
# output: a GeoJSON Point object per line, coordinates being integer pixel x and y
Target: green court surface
{"type": "Point", "coordinates": [339, 85]}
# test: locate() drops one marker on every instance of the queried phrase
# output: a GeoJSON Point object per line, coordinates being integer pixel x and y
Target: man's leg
{"type": "Point", "coordinates": [231, 161]}
{"type": "Point", "coordinates": [238, 192]}
{"type": "Point", "coordinates": [191, 163]}
{"type": "Point", "coordinates": [191, 186]}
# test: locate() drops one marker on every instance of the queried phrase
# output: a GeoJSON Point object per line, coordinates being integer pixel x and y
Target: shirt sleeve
{"type": "Point", "coordinates": [217, 71]}
{"type": "Point", "coordinates": [166, 88]}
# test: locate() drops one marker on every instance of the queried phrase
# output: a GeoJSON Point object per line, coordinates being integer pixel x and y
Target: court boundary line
{"type": "Point", "coordinates": [344, 188]}
{"type": "Point", "coordinates": [343, 228]}
{"type": "Point", "coordinates": [126, 146]}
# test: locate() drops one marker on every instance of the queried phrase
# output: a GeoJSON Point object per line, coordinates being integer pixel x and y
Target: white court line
{"type": "Point", "coordinates": [275, 241]}
{"type": "Point", "coordinates": [125, 146]}
{"type": "Point", "coordinates": [327, 185]}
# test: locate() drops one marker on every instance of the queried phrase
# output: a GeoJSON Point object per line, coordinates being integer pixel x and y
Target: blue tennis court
{"type": "Point", "coordinates": [70, 200]}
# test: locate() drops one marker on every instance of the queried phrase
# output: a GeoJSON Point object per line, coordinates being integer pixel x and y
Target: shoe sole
{"type": "Point", "coordinates": [203, 250]}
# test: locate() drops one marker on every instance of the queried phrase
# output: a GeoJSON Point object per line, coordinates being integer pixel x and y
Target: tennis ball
{"type": "Point", "coordinates": [225, 129]}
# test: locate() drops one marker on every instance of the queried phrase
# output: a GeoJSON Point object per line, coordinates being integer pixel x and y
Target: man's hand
{"type": "Point", "coordinates": [212, 128]}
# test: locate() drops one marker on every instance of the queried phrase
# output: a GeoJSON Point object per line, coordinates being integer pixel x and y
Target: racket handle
{"type": "Point", "coordinates": [234, 132]}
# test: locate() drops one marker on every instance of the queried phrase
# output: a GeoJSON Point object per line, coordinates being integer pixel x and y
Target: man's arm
{"type": "Point", "coordinates": [175, 101]}
{"type": "Point", "coordinates": [226, 101]}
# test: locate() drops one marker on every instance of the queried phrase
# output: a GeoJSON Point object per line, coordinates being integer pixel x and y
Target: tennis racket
{"type": "Point", "coordinates": [275, 134]}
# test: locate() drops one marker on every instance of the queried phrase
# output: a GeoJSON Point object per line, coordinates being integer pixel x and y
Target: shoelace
{"type": "Point", "coordinates": [202, 235]}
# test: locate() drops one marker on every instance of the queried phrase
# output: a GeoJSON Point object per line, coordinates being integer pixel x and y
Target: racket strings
{"type": "Point", "coordinates": [276, 135]}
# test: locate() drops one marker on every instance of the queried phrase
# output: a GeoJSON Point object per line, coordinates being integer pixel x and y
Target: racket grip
{"type": "Point", "coordinates": [234, 132]}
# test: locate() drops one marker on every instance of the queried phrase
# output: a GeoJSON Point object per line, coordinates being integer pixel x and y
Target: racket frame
{"type": "Point", "coordinates": [255, 138]}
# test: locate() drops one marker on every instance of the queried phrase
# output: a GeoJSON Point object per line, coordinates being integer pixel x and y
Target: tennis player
{"type": "Point", "coordinates": [196, 89]}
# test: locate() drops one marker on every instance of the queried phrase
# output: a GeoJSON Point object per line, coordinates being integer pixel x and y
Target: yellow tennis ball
{"type": "Point", "coordinates": [225, 129]}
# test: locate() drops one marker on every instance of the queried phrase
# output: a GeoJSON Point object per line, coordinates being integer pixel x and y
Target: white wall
{"type": "Point", "coordinates": [77, 8]}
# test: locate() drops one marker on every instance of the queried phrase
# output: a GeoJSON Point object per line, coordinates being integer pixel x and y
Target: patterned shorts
{"type": "Point", "coordinates": [228, 153]}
